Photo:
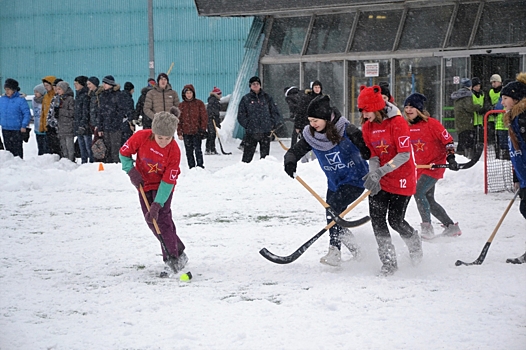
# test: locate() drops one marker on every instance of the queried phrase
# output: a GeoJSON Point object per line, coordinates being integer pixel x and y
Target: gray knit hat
{"type": "Point", "coordinates": [40, 88]}
{"type": "Point", "coordinates": [63, 85]}
{"type": "Point", "coordinates": [164, 124]}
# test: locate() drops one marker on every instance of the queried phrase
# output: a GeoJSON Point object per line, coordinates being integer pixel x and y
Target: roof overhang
{"type": "Point", "coordinates": [235, 8]}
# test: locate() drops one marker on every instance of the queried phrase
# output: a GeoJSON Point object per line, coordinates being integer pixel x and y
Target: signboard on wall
{"type": "Point", "coordinates": [372, 69]}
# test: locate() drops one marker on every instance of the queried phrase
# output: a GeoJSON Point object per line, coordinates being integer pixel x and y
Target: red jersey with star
{"type": "Point", "coordinates": [153, 162]}
{"type": "Point", "coordinates": [386, 140]}
{"type": "Point", "coordinates": [429, 140]}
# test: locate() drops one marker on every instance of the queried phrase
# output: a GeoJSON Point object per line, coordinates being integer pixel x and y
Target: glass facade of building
{"type": "Point", "coordinates": [416, 47]}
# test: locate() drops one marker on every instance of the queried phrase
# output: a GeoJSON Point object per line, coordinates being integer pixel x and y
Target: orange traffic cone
{"type": "Point", "coordinates": [101, 167]}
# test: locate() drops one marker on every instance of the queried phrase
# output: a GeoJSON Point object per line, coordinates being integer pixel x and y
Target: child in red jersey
{"type": "Point", "coordinates": [392, 175]}
{"type": "Point", "coordinates": [431, 144]}
{"type": "Point", "coordinates": [156, 169]}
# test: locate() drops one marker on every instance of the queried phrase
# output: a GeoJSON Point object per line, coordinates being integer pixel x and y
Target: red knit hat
{"type": "Point", "coordinates": [370, 99]}
{"type": "Point", "coordinates": [217, 91]}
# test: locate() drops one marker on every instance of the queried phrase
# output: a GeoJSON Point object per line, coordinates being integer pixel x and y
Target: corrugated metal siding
{"type": "Point", "coordinates": [101, 37]}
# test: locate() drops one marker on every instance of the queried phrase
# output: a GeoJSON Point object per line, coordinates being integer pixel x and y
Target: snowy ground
{"type": "Point", "coordinates": [79, 267]}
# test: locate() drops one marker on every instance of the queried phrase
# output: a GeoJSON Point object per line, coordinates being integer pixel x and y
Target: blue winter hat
{"type": "Point", "coordinates": [415, 100]}
{"type": "Point", "coordinates": [465, 82]}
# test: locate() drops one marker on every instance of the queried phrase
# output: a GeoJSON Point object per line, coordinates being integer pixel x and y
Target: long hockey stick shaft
{"type": "Point", "coordinates": [280, 143]}
{"type": "Point", "coordinates": [296, 254]}
{"type": "Point", "coordinates": [485, 249]}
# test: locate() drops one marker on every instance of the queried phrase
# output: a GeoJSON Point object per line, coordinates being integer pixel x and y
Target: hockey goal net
{"type": "Point", "coordinates": [498, 171]}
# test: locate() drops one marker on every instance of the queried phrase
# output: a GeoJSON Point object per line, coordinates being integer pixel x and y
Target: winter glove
{"type": "Point", "coordinates": [218, 125]}
{"type": "Point", "coordinates": [372, 180]}
{"type": "Point", "coordinates": [153, 214]}
{"type": "Point", "coordinates": [290, 169]}
{"type": "Point", "coordinates": [25, 135]}
{"type": "Point", "coordinates": [81, 130]}
{"type": "Point", "coordinates": [453, 165]}
{"type": "Point", "coordinates": [135, 177]}
{"type": "Point", "coordinates": [202, 134]}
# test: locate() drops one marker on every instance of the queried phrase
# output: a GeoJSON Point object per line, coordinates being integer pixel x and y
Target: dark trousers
{"type": "Point", "coordinates": [53, 142]}
{"type": "Point", "coordinates": [112, 141]}
{"type": "Point", "coordinates": [211, 139]}
{"type": "Point", "coordinates": [13, 142]}
{"type": "Point", "coordinates": [339, 200]}
{"type": "Point", "coordinates": [393, 206]}
{"type": "Point", "coordinates": [166, 225]}
{"type": "Point", "coordinates": [466, 142]}
{"type": "Point", "coordinates": [426, 203]}
{"type": "Point", "coordinates": [251, 142]}
{"type": "Point", "coordinates": [42, 144]}
{"type": "Point", "coordinates": [192, 144]}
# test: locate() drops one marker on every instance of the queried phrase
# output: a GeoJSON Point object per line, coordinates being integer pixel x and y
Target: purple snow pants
{"type": "Point", "coordinates": [166, 225]}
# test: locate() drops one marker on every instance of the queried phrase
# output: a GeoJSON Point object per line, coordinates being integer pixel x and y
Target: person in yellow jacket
{"type": "Point", "coordinates": [479, 99]}
{"type": "Point", "coordinates": [46, 103]}
{"type": "Point", "coordinates": [494, 96]}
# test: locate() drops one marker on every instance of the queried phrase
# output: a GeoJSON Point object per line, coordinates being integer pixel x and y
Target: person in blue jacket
{"type": "Point", "coordinates": [514, 102]}
{"type": "Point", "coordinates": [14, 117]}
{"type": "Point", "coordinates": [342, 154]}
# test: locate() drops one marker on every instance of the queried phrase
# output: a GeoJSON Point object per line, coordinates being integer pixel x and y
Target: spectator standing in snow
{"type": "Point", "coordinates": [46, 103]}
{"type": "Point", "coordinates": [514, 102]}
{"type": "Point", "coordinates": [139, 107]}
{"type": "Point", "coordinates": [464, 110]}
{"type": "Point", "coordinates": [192, 126]}
{"type": "Point", "coordinates": [391, 178]}
{"type": "Point", "coordinates": [432, 144]}
{"type": "Point", "coordinates": [65, 115]}
{"type": "Point", "coordinates": [128, 125]}
{"type": "Point", "coordinates": [386, 93]}
{"type": "Point", "coordinates": [316, 89]}
{"type": "Point", "coordinates": [40, 92]}
{"type": "Point", "coordinates": [53, 140]}
{"type": "Point", "coordinates": [14, 117]}
{"type": "Point", "coordinates": [213, 108]}
{"type": "Point", "coordinates": [328, 134]}
{"type": "Point", "coordinates": [293, 99]}
{"type": "Point", "coordinates": [156, 169]}
{"type": "Point", "coordinates": [82, 115]}
{"type": "Point", "coordinates": [110, 114]}
{"type": "Point", "coordinates": [479, 99]}
{"type": "Point", "coordinates": [160, 98]}
{"type": "Point", "coordinates": [259, 115]}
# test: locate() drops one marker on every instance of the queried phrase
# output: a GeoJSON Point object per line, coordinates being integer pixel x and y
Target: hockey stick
{"type": "Point", "coordinates": [290, 258]}
{"type": "Point", "coordinates": [460, 166]}
{"type": "Point", "coordinates": [334, 215]}
{"type": "Point", "coordinates": [171, 259]}
{"type": "Point", "coordinates": [280, 143]}
{"type": "Point", "coordinates": [220, 144]}
{"type": "Point", "coordinates": [482, 255]}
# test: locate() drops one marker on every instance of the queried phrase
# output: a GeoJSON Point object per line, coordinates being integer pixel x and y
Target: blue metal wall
{"type": "Point", "coordinates": [99, 37]}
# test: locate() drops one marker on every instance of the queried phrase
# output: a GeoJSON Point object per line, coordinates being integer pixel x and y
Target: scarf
{"type": "Point", "coordinates": [319, 140]}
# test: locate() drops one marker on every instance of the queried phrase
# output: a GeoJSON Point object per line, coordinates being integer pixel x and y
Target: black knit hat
{"type": "Point", "coordinates": [11, 84]}
{"type": "Point", "coordinates": [384, 87]}
{"type": "Point", "coordinates": [128, 86]}
{"type": "Point", "coordinates": [475, 81]}
{"type": "Point", "coordinates": [320, 108]}
{"type": "Point", "coordinates": [94, 80]}
{"type": "Point", "coordinates": [416, 100]}
{"type": "Point", "coordinates": [82, 80]}
{"type": "Point", "coordinates": [162, 75]}
{"type": "Point", "coordinates": [58, 80]}
{"type": "Point", "coordinates": [253, 80]}
{"type": "Point", "coordinates": [516, 89]}
{"type": "Point", "coordinates": [109, 79]}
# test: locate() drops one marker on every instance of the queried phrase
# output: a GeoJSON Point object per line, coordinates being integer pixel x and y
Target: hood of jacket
{"type": "Point", "coordinates": [464, 92]}
{"type": "Point", "coordinates": [49, 79]}
{"type": "Point", "coordinates": [188, 87]}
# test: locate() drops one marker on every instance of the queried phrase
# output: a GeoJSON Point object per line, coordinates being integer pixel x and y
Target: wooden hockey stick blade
{"type": "Point", "coordinates": [484, 252]}
{"type": "Point", "coordinates": [296, 254]}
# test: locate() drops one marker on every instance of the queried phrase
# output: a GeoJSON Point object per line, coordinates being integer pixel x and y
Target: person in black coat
{"type": "Point", "coordinates": [128, 126]}
{"type": "Point", "coordinates": [213, 109]}
{"type": "Point", "coordinates": [259, 115]}
{"type": "Point", "coordinates": [146, 121]}
{"type": "Point", "coordinates": [81, 125]}
{"type": "Point", "coordinates": [293, 99]}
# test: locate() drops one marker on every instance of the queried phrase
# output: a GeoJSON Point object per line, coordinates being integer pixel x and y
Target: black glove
{"type": "Point", "coordinates": [81, 130]}
{"type": "Point", "coordinates": [218, 125]}
{"type": "Point", "coordinates": [203, 134]}
{"type": "Point", "coordinates": [290, 169]}
{"type": "Point", "coordinates": [25, 135]}
{"type": "Point", "coordinates": [453, 165]}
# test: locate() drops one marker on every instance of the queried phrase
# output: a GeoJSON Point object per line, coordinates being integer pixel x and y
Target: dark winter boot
{"type": "Point", "coordinates": [414, 245]}
{"type": "Point", "coordinates": [349, 241]}
{"type": "Point", "coordinates": [520, 260]}
{"type": "Point", "coordinates": [387, 254]}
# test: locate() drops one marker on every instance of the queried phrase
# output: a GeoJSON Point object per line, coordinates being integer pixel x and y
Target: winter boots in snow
{"type": "Point", "coordinates": [174, 265]}
{"type": "Point", "coordinates": [333, 257]}
{"type": "Point", "coordinates": [520, 260]}
{"type": "Point", "coordinates": [387, 254]}
{"type": "Point", "coordinates": [414, 245]}
{"type": "Point", "coordinates": [349, 241]}
{"type": "Point", "coordinates": [427, 230]}
{"type": "Point", "coordinates": [451, 230]}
